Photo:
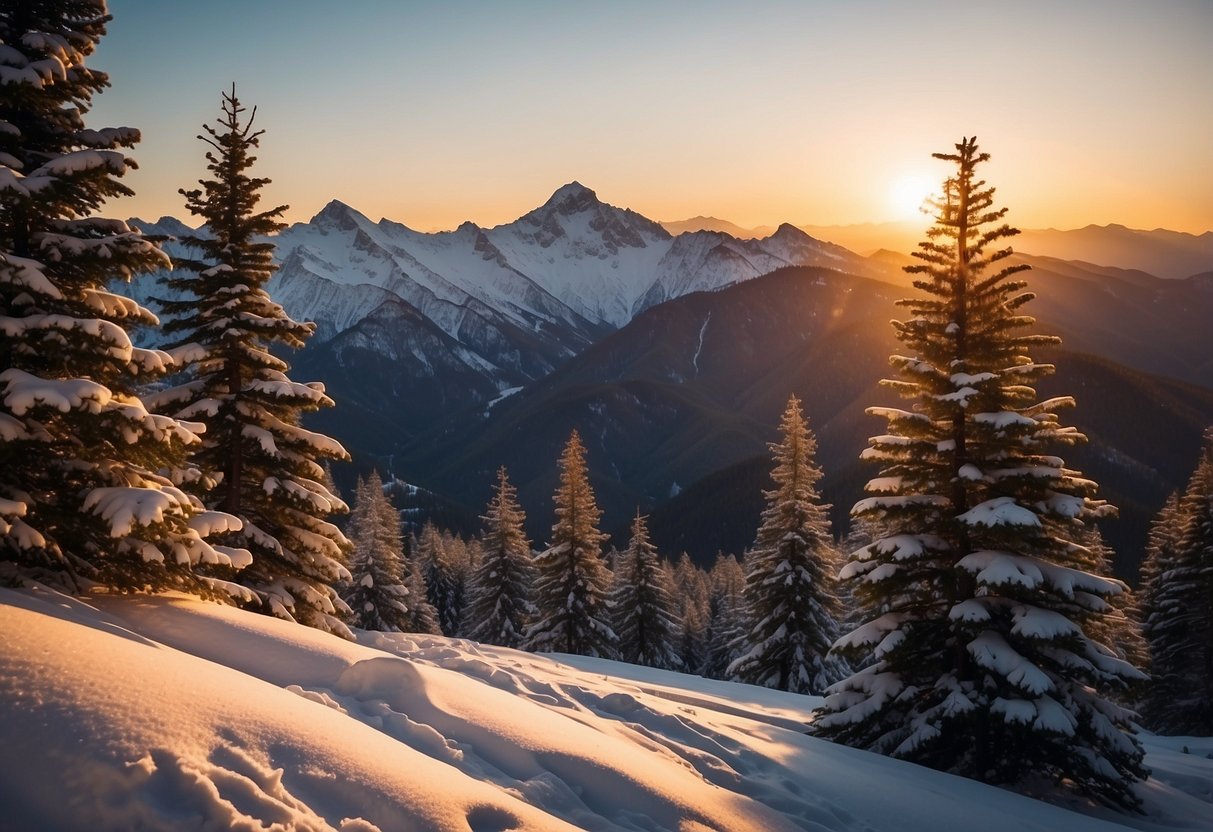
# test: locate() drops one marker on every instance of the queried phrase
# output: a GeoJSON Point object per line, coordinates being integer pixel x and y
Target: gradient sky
{"type": "Point", "coordinates": [759, 112]}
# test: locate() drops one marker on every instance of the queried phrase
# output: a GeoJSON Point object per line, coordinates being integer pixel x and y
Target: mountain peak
{"type": "Point", "coordinates": [571, 198]}
{"type": "Point", "coordinates": [166, 225]}
{"type": "Point", "coordinates": [336, 212]}
{"type": "Point", "coordinates": [787, 231]}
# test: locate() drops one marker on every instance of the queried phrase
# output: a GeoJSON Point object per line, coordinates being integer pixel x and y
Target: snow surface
{"type": "Point", "coordinates": [165, 712]}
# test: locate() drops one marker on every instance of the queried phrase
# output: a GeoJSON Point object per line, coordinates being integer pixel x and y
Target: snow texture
{"type": "Point", "coordinates": [166, 713]}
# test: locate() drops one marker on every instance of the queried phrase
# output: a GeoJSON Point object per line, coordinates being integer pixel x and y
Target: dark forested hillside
{"type": "Point", "coordinates": [676, 408]}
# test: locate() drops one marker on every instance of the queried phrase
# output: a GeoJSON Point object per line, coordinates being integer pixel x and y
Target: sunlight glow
{"type": "Point", "coordinates": [908, 194]}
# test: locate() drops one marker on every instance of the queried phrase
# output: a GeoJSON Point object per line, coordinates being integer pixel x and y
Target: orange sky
{"type": "Point", "coordinates": [1095, 112]}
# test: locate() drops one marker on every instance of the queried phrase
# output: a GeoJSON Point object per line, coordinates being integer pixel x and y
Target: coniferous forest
{"type": "Point", "coordinates": [966, 612]}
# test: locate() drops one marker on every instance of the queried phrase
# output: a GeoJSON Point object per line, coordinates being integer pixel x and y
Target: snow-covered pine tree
{"type": "Point", "coordinates": [573, 583]}
{"type": "Point", "coordinates": [726, 617]}
{"type": "Point", "coordinates": [441, 581]}
{"type": "Point", "coordinates": [1120, 628]}
{"type": "Point", "coordinates": [1161, 546]}
{"type": "Point", "coordinates": [1160, 551]}
{"type": "Point", "coordinates": [981, 663]}
{"type": "Point", "coordinates": [464, 556]}
{"type": "Point", "coordinates": [269, 468]}
{"type": "Point", "coordinates": [793, 610]}
{"type": "Point", "coordinates": [499, 603]}
{"type": "Point", "coordinates": [692, 591]}
{"type": "Point", "coordinates": [89, 479]}
{"type": "Point", "coordinates": [1179, 610]}
{"type": "Point", "coordinates": [376, 592]}
{"type": "Point", "coordinates": [863, 532]}
{"type": "Point", "coordinates": [642, 607]}
{"type": "Point", "coordinates": [423, 618]}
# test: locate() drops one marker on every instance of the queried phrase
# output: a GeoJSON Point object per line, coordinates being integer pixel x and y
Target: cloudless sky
{"type": "Point", "coordinates": [1095, 111]}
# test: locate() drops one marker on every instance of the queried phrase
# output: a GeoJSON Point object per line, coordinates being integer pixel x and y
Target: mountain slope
{"type": "Point", "coordinates": [695, 385]}
{"type": "Point", "coordinates": [1167, 254]}
{"type": "Point", "coordinates": [452, 353]}
{"type": "Point", "coordinates": [413, 327]}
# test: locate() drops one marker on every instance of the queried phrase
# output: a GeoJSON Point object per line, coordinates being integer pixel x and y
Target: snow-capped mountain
{"type": "Point", "coordinates": [701, 261]}
{"type": "Point", "coordinates": [412, 325]}
{"type": "Point", "coordinates": [519, 298]}
{"type": "Point", "coordinates": [444, 350]}
{"type": "Point", "coordinates": [573, 264]}
{"type": "Point", "coordinates": [611, 263]}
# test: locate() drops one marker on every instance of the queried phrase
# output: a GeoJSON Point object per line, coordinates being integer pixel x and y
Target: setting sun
{"type": "Point", "coordinates": [908, 194]}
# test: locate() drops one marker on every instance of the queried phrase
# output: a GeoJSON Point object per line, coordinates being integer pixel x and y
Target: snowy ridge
{"type": "Point", "coordinates": [557, 277]}
{"type": "Point", "coordinates": [166, 713]}
{"type": "Point", "coordinates": [574, 261]}
{"type": "Point", "coordinates": [456, 318]}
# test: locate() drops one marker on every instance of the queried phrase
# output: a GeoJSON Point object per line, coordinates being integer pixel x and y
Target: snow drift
{"type": "Point", "coordinates": [170, 713]}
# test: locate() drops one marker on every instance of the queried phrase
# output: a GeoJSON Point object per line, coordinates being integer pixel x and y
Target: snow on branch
{"type": "Point", "coordinates": [73, 164]}
{"type": "Point", "coordinates": [996, 568]}
{"type": "Point", "coordinates": [24, 392]}
{"type": "Point", "coordinates": [125, 507]}
{"type": "Point", "coordinates": [114, 336]}
{"type": "Point", "coordinates": [26, 273]}
{"type": "Point", "coordinates": [871, 633]}
{"type": "Point", "coordinates": [1036, 623]}
{"type": "Point", "coordinates": [1001, 511]}
{"type": "Point", "coordinates": [108, 137]}
{"type": "Point", "coordinates": [895, 503]}
{"type": "Point", "coordinates": [1004, 419]}
{"type": "Point", "coordinates": [991, 651]}
{"type": "Point", "coordinates": [896, 413]}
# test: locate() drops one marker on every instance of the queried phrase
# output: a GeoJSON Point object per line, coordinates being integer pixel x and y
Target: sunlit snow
{"type": "Point", "coordinates": [167, 713]}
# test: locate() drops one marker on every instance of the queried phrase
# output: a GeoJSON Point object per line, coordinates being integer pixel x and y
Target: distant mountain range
{"type": "Point", "coordinates": [1168, 254]}
{"type": "Point", "coordinates": [694, 387]}
{"type": "Point", "coordinates": [412, 325]}
{"type": "Point", "coordinates": [452, 353]}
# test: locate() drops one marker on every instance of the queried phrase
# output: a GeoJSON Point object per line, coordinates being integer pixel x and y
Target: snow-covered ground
{"type": "Point", "coordinates": [169, 713]}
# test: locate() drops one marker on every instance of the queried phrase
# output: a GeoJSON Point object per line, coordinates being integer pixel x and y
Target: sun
{"type": "Point", "coordinates": [908, 192]}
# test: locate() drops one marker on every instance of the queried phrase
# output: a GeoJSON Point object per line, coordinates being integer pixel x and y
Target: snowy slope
{"type": "Point", "coordinates": [593, 256]}
{"type": "Point", "coordinates": [412, 327]}
{"type": "Point", "coordinates": [610, 263]}
{"type": "Point", "coordinates": [706, 261]}
{"type": "Point", "coordinates": [444, 275]}
{"type": "Point", "coordinates": [568, 268]}
{"type": "Point", "coordinates": [169, 713]}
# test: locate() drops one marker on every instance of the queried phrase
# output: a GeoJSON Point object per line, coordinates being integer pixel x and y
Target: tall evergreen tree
{"type": "Point", "coordinates": [1160, 551]}
{"type": "Point", "coordinates": [423, 618]}
{"type": "Point", "coordinates": [464, 557]}
{"type": "Point", "coordinates": [727, 611]}
{"type": "Point", "coordinates": [376, 592]}
{"type": "Point", "coordinates": [441, 581]}
{"type": "Point", "coordinates": [793, 609]}
{"type": "Point", "coordinates": [692, 590]}
{"type": "Point", "coordinates": [642, 607]}
{"type": "Point", "coordinates": [1161, 547]}
{"type": "Point", "coordinates": [89, 479]}
{"type": "Point", "coordinates": [1179, 609]}
{"type": "Point", "coordinates": [572, 582]}
{"type": "Point", "coordinates": [1119, 629]}
{"type": "Point", "coordinates": [981, 663]}
{"type": "Point", "coordinates": [269, 468]}
{"type": "Point", "coordinates": [500, 605]}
